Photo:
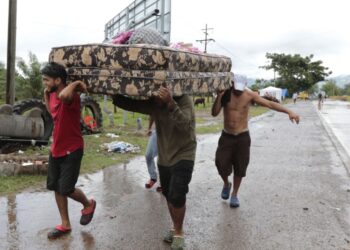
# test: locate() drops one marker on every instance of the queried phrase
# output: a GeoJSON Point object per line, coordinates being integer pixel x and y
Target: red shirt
{"type": "Point", "coordinates": [66, 132]}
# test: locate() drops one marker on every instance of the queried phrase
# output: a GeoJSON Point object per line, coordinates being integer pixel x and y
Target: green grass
{"type": "Point", "coordinates": [14, 184]}
{"type": "Point", "coordinates": [340, 98]}
{"type": "Point", "coordinates": [95, 158]}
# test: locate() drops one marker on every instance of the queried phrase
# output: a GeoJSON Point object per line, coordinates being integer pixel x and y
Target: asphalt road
{"type": "Point", "coordinates": [295, 196]}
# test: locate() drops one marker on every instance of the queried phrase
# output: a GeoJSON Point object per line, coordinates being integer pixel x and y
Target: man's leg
{"type": "Point", "coordinates": [62, 204]}
{"type": "Point", "coordinates": [181, 175]}
{"type": "Point", "coordinates": [223, 162]}
{"type": "Point", "coordinates": [236, 184]}
{"type": "Point", "coordinates": [79, 196]}
{"type": "Point", "coordinates": [70, 169]}
{"type": "Point", "coordinates": [177, 216]}
{"type": "Point", "coordinates": [225, 179]}
{"type": "Point", "coordinates": [240, 164]}
{"type": "Point", "coordinates": [151, 153]}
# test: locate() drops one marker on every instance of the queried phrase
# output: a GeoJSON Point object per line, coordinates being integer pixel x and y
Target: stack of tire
{"type": "Point", "coordinates": [87, 103]}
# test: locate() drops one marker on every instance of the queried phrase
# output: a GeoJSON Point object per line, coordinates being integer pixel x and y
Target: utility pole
{"type": "Point", "coordinates": [11, 53]}
{"type": "Point", "coordinates": [206, 39]}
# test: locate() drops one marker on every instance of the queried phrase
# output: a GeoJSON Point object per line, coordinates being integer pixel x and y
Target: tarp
{"type": "Point", "coordinates": [272, 91]}
{"type": "Point", "coordinates": [284, 93]}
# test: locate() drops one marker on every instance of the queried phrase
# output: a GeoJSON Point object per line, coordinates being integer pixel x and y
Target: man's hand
{"type": "Point", "coordinates": [46, 91]}
{"type": "Point", "coordinates": [81, 86]}
{"type": "Point", "coordinates": [165, 95]}
{"type": "Point", "coordinates": [220, 91]}
{"type": "Point", "coordinates": [294, 117]}
{"type": "Point", "coordinates": [149, 132]}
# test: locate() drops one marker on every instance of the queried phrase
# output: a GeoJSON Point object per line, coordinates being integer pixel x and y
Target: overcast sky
{"type": "Point", "coordinates": [244, 30]}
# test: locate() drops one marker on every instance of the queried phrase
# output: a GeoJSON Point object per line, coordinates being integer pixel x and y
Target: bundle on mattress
{"type": "Point", "coordinates": [139, 70]}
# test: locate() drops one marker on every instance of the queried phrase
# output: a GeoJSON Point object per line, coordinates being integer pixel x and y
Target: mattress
{"type": "Point", "coordinates": [140, 69]}
{"type": "Point", "coordinates": [147, 82]}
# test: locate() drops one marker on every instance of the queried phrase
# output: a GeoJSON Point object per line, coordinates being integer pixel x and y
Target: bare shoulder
{"type": "Point", "coordinates": [251, 94]}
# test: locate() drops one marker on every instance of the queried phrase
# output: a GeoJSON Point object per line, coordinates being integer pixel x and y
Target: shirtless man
{"type": "Point", "coordinates": [234, 144]}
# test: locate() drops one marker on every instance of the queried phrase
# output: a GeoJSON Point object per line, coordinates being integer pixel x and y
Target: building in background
{"type": "Point", "coordinates": [142, 13]}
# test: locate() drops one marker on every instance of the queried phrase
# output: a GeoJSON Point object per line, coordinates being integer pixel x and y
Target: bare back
{"type": "Point", "coordinates": [236, 112]}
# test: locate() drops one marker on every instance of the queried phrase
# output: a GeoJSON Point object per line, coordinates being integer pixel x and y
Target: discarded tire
{"type": "Point", "coordinates": [91, 115]}
{"type": "Point", "coordinates": [27, 105]}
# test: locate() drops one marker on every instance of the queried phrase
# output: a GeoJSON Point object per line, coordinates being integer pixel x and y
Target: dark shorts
{"type": "Point", "coordinates": [63, 172]}
{"type": "Point", "coordinates": [233, 152]}
{"type": "Point", "coordinates": [175, 180]}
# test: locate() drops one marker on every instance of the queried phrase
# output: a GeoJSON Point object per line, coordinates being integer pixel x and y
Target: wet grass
{"type": "Point", "coordinates": [95, 158]}
{"type": "Point", "coordinates": [14, 184]}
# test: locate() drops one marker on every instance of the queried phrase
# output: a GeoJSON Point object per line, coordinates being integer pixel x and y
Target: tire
{"type": "Point", "coordinates": [88, 104]}
{"type": "Point", "coordinates": [26, 105]}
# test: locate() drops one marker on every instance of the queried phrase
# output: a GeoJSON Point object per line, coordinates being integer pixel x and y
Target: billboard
{"type": "Point", "coordinates": [141, 13]}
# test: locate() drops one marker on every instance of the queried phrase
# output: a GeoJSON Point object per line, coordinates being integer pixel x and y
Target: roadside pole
{"type": "Point", "coordinates": [11, 53]}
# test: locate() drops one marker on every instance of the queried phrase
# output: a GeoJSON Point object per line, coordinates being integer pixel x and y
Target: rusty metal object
{"type": "Point", "coordinates": [19, 126]}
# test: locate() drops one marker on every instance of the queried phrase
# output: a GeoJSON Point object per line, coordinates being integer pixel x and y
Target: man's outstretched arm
{"type": "Point", "coordinates": [275, 106]}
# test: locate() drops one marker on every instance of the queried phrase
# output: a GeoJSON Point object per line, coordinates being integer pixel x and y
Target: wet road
{"type": "Point", "coordinates": [337, 116]}
{"type": "Point", "coordinates": [296, 196]}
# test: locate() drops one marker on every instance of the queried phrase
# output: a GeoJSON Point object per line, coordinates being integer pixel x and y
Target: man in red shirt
{"type": "Point", "coordinates": [67, 148]}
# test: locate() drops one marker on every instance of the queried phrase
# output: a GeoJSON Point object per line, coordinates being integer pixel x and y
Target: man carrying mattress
{"type": "Point", "coordinates": [176, 139]}
{"type": "Point", "coordinates": [233, 151]}
{"type": "Point", "coordinates": [67, 147]}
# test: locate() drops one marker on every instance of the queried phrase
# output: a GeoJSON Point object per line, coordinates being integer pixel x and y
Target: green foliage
{"type": "Point", "coordinates": [260, 84]}
{"type": "Point", "coordinates": [313, 89]}
{"type": "Point", "coordinates": [28, 81]}
{"type": "Point", "coordinates": [346, 89]}
{"type": "Point", "coordinates": [2, 83]}
{"type": "Point", "coordinates": [296, 73]}
{"type": "Point", "coordinates": [331, 88]}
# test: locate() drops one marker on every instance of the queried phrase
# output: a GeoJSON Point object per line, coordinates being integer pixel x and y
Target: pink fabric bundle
{"type": "Point", "coordinates": [186, 47]}
{"type": "Point", "coordinates": [122, 38]}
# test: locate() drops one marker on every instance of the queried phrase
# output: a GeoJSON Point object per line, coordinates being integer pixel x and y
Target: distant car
{"type": "Point", "coordinates": [303, 95]}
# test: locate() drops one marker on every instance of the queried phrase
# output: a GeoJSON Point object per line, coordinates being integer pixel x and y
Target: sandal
{"type": "Point", "coordinates": [88, 213]}
{"type": "Point", "coordinates": [225, 193]}
{"type": "Point", "coordinates": [168, 237]}
{"type": "Point", "coordinates": [58, 232]}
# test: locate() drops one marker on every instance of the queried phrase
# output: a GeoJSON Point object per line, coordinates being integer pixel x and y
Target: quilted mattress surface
{"type": "Point", "coordinates": [138, 56]}
{"type": "Point", "coordinates": [147, 82]}
{"type": "Point", "coordinates": [140, 69]}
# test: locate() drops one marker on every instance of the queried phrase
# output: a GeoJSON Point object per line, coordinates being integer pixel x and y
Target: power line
{"type": "Point", "coordinates": [206, 39]}
{"type": "Point", "coordinates": [236, 57]}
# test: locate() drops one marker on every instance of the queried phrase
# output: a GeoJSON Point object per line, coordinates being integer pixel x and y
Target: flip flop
{"type": "Point", "coordinates": [87, 214]}
{"type": "Point", "coordinates": [58, 232]}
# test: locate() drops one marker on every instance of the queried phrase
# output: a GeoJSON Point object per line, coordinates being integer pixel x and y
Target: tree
{"type": "Point", "coordinates": [2, 83]}
{"type": "Point", "coordinates": [331, 88]}
{"type": "Point", "coordinates": [260, 84]}
{"type": "Point", "coordinates": [296, 73]}
{"type": "Point", "coordinates": [346, 89]}
{"type": "Point", "coordinates": [29, 78]}
{"type": "Point", "coordinates": [313, 89]}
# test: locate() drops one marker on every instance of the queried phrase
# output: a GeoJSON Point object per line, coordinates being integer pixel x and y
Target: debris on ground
{"type": "Point", "coordinates": [120, 147]}
{"type": "Point", "coordinates": [11, 164]}
{"type": "Point", "coordinates": [111, 135]}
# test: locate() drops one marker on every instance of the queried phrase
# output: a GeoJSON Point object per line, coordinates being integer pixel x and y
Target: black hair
{"type": "Point", "coordinates": [55, 70]}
